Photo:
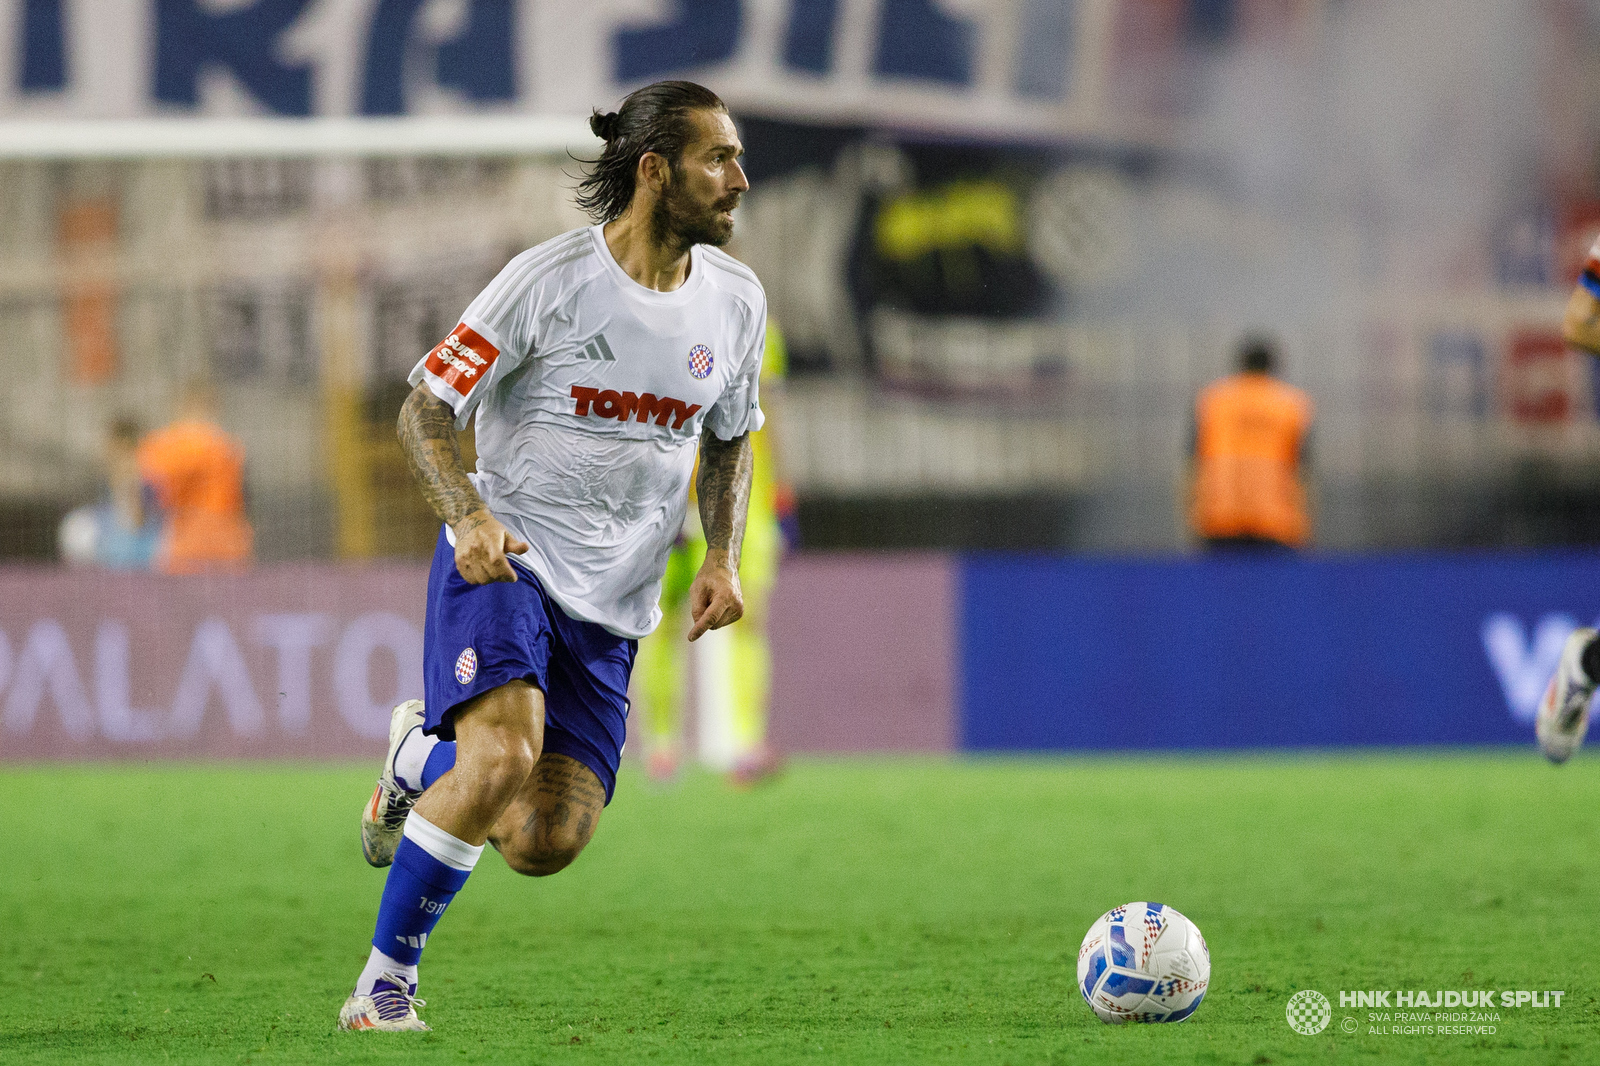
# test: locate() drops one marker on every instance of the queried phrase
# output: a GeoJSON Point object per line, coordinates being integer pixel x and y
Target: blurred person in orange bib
{"type": "Point", "coordinates": [1247, 487]}
{"type": "Point", "coordinates": [197, 473]}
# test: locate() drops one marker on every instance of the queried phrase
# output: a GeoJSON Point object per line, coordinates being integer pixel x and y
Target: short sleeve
{"type": "Point", "coordinates": [484, 347]}
{"type": "Point", "coordinates": [738, 410]}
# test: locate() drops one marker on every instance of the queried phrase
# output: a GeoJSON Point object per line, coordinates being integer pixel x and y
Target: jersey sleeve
{"type": "Point", "coordinates": [492, 339]}
{"type": "Point", "coordinates": [738, 409]}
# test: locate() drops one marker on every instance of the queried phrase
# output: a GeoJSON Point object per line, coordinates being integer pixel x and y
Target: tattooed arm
{"type": "Point", "coordinates": [723, 486]}
{"type": "Point", "coordinates": [428, 436]}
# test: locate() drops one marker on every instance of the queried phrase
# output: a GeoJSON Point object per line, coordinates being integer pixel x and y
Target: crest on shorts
{"type": "Point", "coordinates": [466, 666]}
{"type": "Point", "coordinates": [700, 362]}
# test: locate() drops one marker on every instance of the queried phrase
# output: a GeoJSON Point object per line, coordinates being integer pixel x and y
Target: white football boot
{"type": "Point", "coordinates": [390, 1009]}
{"type": "Point", "coordinates": [1564, 712]}
{"type": "Point", "coordinates": [383, 819]}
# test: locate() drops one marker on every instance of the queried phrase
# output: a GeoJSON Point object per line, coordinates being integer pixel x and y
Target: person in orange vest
{"type": "Point", "coordinates": [1247, 487]}
{"type": "Point", "coordinates": [196, 471]}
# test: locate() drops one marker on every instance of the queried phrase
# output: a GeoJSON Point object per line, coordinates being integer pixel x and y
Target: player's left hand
{"type": "Point", "coordinates": [715, 599]}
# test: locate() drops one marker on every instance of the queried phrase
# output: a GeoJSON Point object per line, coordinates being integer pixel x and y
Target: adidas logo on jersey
{"type": "Point", "coordinates": [609, 403]}
{"type": "Point", "coordinates": [598, 350]}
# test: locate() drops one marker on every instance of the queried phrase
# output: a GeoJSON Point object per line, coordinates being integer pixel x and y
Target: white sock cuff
{"type": "Point", "coordinates": [379, 964]}
{"type": "Point", "coordinates": [449, 850]}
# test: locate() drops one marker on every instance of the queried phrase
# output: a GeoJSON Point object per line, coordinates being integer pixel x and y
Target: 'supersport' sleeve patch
{"type": "Point", "coordinates": [461, 360]}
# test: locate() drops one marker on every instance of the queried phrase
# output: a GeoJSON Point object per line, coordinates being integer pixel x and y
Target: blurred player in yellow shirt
{"type": "Point", "coordinates": [740, 668]}
{"type": "Point", "coordinates": [1563, 719]}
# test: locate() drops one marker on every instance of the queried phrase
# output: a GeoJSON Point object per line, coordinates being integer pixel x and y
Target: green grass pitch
{"type": "Point", "coordinates": [855, 911]}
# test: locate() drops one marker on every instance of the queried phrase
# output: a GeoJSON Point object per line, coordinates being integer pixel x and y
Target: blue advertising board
{"type": "Point", "coordinates": [1276, 651]}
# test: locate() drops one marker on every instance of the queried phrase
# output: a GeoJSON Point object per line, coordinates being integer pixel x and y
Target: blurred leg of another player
{"type": "Point", "coordinates": [660, 668]}
{"type": "Point", "coordinates": [749, 674]}
{"type": "Point", "coordinates": [1564, 712]}
{"type": "Point", "coordinates": [733, 666]}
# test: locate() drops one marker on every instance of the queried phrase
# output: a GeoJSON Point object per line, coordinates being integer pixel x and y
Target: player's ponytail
{"type": "Point", "coordinates": [604, 126]}
{"type": "Point", "coordinates": [652, 119]}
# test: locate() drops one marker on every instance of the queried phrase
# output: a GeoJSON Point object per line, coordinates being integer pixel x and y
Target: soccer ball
{"type": "Point", "coordinates": [1143, 962]}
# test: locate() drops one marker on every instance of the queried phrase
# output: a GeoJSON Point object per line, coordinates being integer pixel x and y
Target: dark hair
{"type": "Point", "coordinates": [1258, 355]}
{"type": "Point", "coordinates": [652, 119]}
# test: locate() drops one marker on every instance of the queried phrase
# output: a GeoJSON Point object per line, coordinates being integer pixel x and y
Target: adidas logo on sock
{"type": "Point", "coordinates": [418, 942]}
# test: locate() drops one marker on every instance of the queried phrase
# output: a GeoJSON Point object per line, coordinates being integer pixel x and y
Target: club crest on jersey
{"type": "Point", "coordinates": [700, 362]}
{"type": "Point", "coordinates": [466, 666]}
{"type": "Point", "coordinates": [462, 359]}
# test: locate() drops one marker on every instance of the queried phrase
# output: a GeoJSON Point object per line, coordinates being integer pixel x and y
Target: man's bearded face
{"type": "Point", "coordinates": [682, 219]}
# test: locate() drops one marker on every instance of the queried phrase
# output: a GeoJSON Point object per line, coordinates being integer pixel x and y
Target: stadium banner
{"type": "Point", "coordinates": [1010, 67]}
{"type": "Point", "coordinates": [1275, 651]}
{"type": "Point", "coordinates": [885, 653]}
{"type": "Point", "coordinates": [306, 660]}
{"type": "Point", "coordinates": [862, 647]}
{"type": "Point", "coordinates": [285, 661]}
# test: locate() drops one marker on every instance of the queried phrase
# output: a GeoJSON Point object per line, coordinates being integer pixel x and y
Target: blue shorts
{"type": "Point", "coordinates": [479, 637]}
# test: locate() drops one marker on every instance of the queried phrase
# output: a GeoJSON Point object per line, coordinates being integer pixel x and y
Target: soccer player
{"type": "Point", "coordinates": [594, 363]}
{"type": "Point", "coordinates": [660, 668]}
{"type": "Point", "coordinates": [1564, 712]}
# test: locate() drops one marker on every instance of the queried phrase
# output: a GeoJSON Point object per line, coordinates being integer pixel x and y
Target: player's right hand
{"type": "Point", "coordinates": [482, 545]}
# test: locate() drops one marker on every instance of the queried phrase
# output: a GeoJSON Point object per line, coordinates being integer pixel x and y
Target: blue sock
{"type": "Point", "coordinates": [430, 866]}
{"type": "Point", "coordinates": [440, 759]}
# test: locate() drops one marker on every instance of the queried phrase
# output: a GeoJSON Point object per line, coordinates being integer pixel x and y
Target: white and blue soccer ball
{"type": "Point", "coordinates": [1143, 962]}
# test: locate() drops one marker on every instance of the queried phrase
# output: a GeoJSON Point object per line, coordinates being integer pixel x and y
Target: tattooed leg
{"type": "Point", "coordinates": [553, 817]}
{"type": "Point", "coordinates": [499, 735]}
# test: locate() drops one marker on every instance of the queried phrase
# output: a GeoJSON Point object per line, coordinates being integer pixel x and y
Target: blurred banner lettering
{"type": "Point", "coordinates": [291, 661]}
{"type": "Point", "coordinates": [1018, 65]}
{"type": "Point", "coordinates": [305, 661]}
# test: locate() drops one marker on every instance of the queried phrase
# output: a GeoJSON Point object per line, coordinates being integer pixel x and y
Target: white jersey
{"type": "Point", "coordinates": [590, 392]}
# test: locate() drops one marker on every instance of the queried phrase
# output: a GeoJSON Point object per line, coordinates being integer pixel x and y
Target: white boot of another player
{"type": "Point", "coordinates": [1564, 712]}
{"type": "Point", "coordinates": [383, 819]}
